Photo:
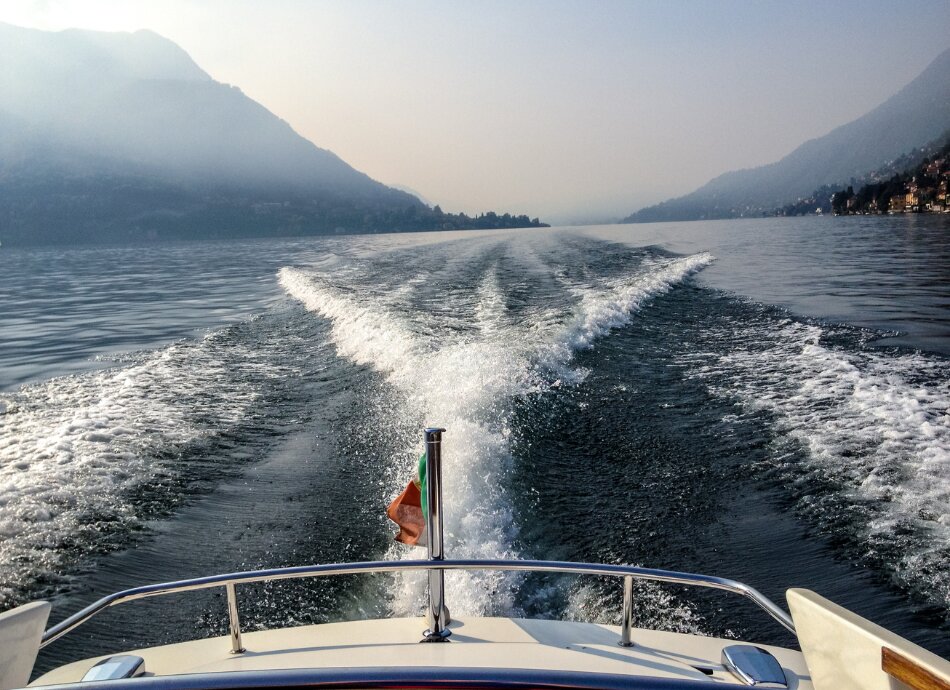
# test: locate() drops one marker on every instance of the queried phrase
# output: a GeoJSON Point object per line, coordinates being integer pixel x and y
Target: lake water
{"type": "Point", "coordinates": [765, 400]}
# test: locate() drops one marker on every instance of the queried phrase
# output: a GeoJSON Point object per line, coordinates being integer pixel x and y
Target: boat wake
{"type": "Point", "coordinates": [875, 430]}
{"type": "Point", "coordinates": [87, 459]}
{"type": "Point", "coordinates": [467, 380]}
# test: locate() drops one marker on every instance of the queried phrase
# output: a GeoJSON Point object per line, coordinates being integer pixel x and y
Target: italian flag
{"type": "Point", "coordinates": [410, 508]}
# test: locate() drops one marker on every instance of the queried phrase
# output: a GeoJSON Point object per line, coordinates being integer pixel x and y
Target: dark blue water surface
{"type": "Point", "coordinates": [761, 399]}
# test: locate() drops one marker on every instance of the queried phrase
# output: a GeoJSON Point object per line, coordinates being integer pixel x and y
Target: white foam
{"type": "Point", "coordinates": [877, 424]}
{"type": "Point", "coordinates": [456, 384]}
{"type": "Point", "coordinates": [74, 448]}
{"type": "Point", "coordinates": [465, 381]}
{"type": "Point", "coordinates": [490, 309]}
{"type": "Point", "coordinates": [656, 609]}
{"type": "Point", "coordinates": [602, 310]}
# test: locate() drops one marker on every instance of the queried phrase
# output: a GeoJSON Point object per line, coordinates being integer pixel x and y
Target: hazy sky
{"type": "Point", "coordinates": [565, 110]}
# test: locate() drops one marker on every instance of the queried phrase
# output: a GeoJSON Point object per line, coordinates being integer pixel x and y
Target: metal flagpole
{"type": "Point", "coordinates": [438, 612]}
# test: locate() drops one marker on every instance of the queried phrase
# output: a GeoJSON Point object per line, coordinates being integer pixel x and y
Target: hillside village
{"type": "Point", "coordinates": [921, 190]}
{"type": "Point", "coordinates": [915, 182]}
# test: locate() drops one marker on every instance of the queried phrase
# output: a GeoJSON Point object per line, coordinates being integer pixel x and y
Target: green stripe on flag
{"type": "Point", "coordinates": [422, 486]}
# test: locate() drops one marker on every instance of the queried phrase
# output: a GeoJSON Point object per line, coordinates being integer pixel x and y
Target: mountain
{"type": "Point", "coordinates": [141, 99]}
{"type": "Point", "coordinates": [915, 115]}
{"type": "Point", "coordinates": [121, 136]}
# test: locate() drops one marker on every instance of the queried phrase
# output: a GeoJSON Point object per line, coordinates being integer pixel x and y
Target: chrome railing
{"type": "Point", "coordinates": [230, 582]}
{"type": "Point", "coordinates": [436, 565]}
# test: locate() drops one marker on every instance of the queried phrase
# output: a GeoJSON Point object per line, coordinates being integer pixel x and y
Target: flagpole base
{"type": "Point", "coordinates": [441, 636]}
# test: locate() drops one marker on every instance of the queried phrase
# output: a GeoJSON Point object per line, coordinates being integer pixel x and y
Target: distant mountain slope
{"type": "Point", "coordinates": [110, 137]}
{"type": "Point", "coordinates": [140, 98]}
{"type": "Point", "coordinates": [917, 114]}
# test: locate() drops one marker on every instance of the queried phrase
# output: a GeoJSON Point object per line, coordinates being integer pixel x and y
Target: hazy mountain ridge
{"type": "Point", "coordinates": [139, 55]}
{"type": "Point", "coordinates": [917, 114]}
{"type": "Point", "coordinates": [140, 98]}
{"type": "Point", "coordinates": [115, 137]}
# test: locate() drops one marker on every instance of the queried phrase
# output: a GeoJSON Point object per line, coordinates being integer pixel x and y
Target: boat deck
{"type": "Point", "coordinates": [476, 643]}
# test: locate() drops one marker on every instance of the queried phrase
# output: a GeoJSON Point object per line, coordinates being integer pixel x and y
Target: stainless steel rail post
{"type": "Point", "coordinates": [438, 613]}
{"type": "Point", "coordinates": [234, 621]}
{"type": "Point", "coordinates": [627, 623]}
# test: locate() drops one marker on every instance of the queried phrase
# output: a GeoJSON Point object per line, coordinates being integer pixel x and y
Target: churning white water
{"type": "Point", "coordinates": [466, 381]}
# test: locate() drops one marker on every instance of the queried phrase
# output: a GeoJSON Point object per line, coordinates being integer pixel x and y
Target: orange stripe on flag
{"type": "Point", "coordinates": [406, 511]}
